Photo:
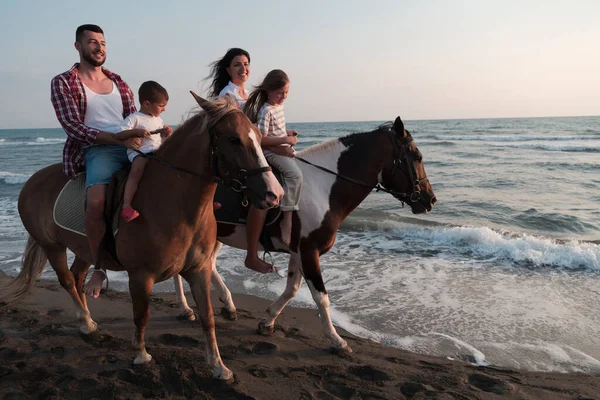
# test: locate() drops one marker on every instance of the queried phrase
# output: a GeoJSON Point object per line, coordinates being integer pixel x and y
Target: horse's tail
{"type": "Point", "coordinates": [33, 263]}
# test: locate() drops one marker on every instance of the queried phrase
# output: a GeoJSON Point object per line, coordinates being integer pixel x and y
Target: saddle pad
{"type": "Point", "coordinates": [69, 208]}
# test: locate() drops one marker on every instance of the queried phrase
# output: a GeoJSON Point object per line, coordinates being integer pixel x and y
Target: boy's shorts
{"type": "Point", "coordinates": [102, 161]}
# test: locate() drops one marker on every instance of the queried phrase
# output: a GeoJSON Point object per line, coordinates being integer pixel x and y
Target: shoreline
{"type": "Point", "coordinates": [43, 355]}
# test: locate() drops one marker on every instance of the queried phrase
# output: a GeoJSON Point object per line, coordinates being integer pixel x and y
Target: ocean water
{"type": "Point", "coordinates": [504, 271]}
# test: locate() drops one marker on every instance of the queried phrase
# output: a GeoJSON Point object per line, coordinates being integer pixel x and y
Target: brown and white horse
{"type": "Point", "coordinates": [338, 176]}
{"type": "Point", "coordinates": [176, 232]}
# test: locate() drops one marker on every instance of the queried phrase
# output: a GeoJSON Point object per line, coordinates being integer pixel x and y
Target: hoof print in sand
{"type": "Point", "coordinates": [410, 389]}
{"type": "Point", "coordinates": [264, 348]}
{"type": "Point", "coordinates": [50, 329]}
{"type": "Point", "coordinates": [55, 311]}
{"type": "Point", "coordinates": [368, 373]}
{"type": "Point", "coordinates": [169, 339]}
{"type": "Point", "coordinates": [257, 371]}
{"type": "Point", "coordinates": [489, 384]}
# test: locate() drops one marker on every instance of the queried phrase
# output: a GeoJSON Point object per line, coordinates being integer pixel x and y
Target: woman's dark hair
{"type": "Point", "coordinates": [151, 91]}
{"type": "Point", "coordinates": [218, 70]}
{"type": "Point", "coordinates": [87, 27]}
{"type": "Point", "coordinates": [276, 79]}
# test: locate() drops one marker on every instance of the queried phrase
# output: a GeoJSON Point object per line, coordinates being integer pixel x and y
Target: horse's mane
{"type": "Point", "coordinates": [212, 112]}
{"type": "Point", "coordinates": [315, 151]}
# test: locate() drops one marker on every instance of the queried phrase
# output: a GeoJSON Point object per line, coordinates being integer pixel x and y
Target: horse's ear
{"type": "Point", "coordinates": [201, 102]}
{"type": "Point", "coordinates": [399, 127]}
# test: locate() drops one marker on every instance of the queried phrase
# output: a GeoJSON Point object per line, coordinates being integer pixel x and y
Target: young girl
{"type": "Point", "coordinates": [153, 100]}
{"type": "Point", "coordinates": [265, 109]}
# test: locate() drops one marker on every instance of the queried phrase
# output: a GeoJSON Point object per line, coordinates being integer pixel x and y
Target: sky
{"type": "Point", "coordinates": [347, 60]}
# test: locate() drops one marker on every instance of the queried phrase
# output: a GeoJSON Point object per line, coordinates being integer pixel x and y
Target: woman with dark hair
{"type": "Point", "coordinates": [230, 74]}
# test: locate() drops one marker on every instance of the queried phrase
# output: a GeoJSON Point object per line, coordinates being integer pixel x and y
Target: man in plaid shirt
{"type": "Point", "coordinates": [90, 104]}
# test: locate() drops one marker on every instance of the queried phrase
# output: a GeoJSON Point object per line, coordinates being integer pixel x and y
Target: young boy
{"type": "Point", "coordinates": [153, 100]}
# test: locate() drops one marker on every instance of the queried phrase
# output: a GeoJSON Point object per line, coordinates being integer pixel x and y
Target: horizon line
{"type": "Point", "coordinates": [376, 120]}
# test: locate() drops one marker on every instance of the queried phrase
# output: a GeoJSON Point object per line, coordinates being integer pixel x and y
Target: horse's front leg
{"type": "Point", "coordinates": [311, 268]}
{"type": "Point", "coordinates": [294, 280]}
{"type": "Point", "coordinates": [199, 280]}
{"type": "Point", "coordinates": [186, 312]}
{"type": "Point", "coordinates": [140, 288]}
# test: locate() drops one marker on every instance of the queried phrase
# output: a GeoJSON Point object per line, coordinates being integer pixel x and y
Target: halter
{"type": "Point", "coordinates": [400, 154]}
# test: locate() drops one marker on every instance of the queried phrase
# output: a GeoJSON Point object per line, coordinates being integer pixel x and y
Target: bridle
{"type": "Point", "coordinates": [236, 181]}
{"type": "Point", "coordinates": [221, 167]}
{"type": "Point", "coordinates": [400, 154]}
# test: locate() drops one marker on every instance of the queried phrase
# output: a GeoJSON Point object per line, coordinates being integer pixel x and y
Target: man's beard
{"type": "Point", "coordinates": [93, 62]}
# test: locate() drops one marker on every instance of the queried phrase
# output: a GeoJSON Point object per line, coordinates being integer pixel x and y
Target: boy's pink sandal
{"type": "Point", "coordinates": [129, 214]}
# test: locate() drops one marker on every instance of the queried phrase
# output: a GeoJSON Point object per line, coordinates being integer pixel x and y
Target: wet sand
{"type": "Point", "coordinates": [42, 355]}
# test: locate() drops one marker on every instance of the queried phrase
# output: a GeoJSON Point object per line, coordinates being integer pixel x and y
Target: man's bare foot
{"type": "Point", "coordinates": [258, 265]}
{"type": "Point", "coordinates": [286, 229]}
{"type": "Point", "coordinates": [94, 285]}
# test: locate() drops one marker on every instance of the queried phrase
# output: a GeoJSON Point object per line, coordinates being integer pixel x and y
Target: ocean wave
{"type": "Point", "coordinates": [512, 138]}
{"type": "Point", "coordinates": [568, 149]}
{"type": "Point", "coordinates": [13, 178]}
{"type": "Point", "coordinates": [40, 141]}
{"type": "Point", "coordinates": [425, 238]}
{"type": "Point", "coordinates": [522, 250]}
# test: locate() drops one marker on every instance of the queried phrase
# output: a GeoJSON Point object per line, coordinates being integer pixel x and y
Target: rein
{"type": "Point", "coordinates": [403, 197]}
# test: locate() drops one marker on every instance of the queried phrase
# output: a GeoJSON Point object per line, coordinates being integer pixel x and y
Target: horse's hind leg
{"type": "Point", "coordinates": [186, 312]}
{"type": "Point", "coordinates": [140, 288]}
{"type": "Point", "coordinates": [312, 274]}
{"type": "Point", "coordinates": [228, 311]}
{"type": "Point", "coordinates": [199, 281]}
{"type": "Point", "coordinates": [294, 280]}
{"type": "Point", "coordinates": [57, 257]}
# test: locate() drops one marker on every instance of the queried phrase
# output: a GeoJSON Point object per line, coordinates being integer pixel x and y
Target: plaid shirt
{"type": "Point", "coordinates": [70, 105]}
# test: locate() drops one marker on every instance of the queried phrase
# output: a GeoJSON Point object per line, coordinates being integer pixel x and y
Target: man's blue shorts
{"type": "Point", "coordinates": [102, 161]}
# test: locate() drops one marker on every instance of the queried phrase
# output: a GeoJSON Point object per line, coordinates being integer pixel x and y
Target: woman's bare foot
{"type": "Point", "coordinates": [258, 265]}
{"type": "Point", "coordinates": [94, 285]}
{"type": "Point", "coordinates": [286, 228]}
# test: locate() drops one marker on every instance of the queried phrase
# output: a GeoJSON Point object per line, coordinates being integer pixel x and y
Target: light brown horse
{"type": "Point", "coordinates": [176, 232]}
{"type": "Point", "coordinates": [338, 176]}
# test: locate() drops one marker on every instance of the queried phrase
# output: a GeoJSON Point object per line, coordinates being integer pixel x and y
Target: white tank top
{"type": "Point", "coordinates": [104, 111]}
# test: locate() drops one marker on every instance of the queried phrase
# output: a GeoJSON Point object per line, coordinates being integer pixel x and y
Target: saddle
{"type": "Point", "coordinates": [69, 207]}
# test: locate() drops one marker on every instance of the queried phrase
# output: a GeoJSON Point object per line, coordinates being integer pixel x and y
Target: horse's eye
{"type": "Point", "coordinates": [418, 158]}
{"type": "Point", "coordinates": [235, 140]}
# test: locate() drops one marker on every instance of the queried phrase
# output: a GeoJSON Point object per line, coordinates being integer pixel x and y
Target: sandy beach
{"type": "Point", "coordinates": [42, 355]}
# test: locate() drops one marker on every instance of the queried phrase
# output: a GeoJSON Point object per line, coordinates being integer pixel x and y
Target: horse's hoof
{"type": "Point", "coordinates": [228, 314]}
{"type": "Point", "coordinates": [224, 374]}
{"type": "Point", "coordinates": [263, 329]}
{"type": "Point", "coordinates": [341, 351]}
{"type": "Point", "coordinates": [187, 315]}
{"type": "Point", "coordinates": [142, 359]}
{"type": "Point", "coordinates": [88, 328]}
